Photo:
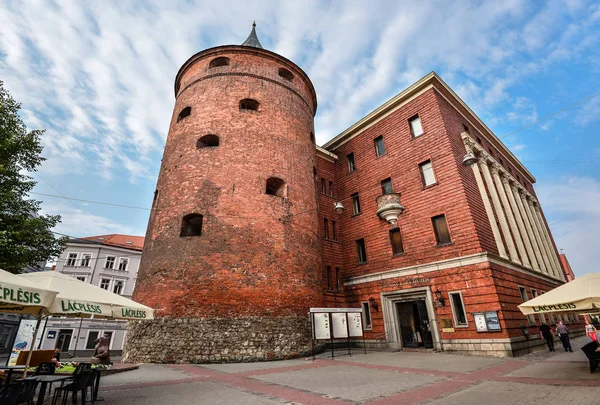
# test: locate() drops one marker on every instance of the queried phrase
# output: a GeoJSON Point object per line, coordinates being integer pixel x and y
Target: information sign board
{"type": "Point", "coordinates": [480, 323]}
{"type": "Point", "coordinates": [340, 325]}
{"type": "Point", "coordinates": [355, 324]}
{"type": "Point", "coordinates": [321, 328]}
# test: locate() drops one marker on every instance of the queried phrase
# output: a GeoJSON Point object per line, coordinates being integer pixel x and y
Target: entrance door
{"type": "Point", "coordinates": [414, 324]}
{"type": "Point", "coordinates": [64, 339]}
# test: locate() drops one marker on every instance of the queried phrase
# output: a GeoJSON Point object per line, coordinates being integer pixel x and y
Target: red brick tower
{"type": "Point", "coordinates": [232, 254]}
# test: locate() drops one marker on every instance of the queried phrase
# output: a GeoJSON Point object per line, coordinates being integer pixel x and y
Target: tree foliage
{"type": "Point", "coordinates": [25, 236]}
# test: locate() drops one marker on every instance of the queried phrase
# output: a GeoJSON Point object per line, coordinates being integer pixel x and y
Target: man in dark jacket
{"type": "Point", "coordinates": [563, 333]}
{"type": "Point", "coordinates": [546, 334]}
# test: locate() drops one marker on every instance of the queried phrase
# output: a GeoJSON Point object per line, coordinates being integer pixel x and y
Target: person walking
{"type": "Point", "coordinates": [591, 331]}
{"type": "Point", "coordinates": [563, 334]}
{"type": "Point", "coordinates": [546, 334]}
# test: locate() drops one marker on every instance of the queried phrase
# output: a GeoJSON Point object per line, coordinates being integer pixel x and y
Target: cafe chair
{"type": "Point", "coordinates": [45, 368]}
{"type": "Point", "coordinates": [10, 394]}
{"type": "Point", "coordinates": [27, 392]}
{"type": "Point", "coordinates": [91, 384]}
{"type": "Point", "coordinates": [78, 384]}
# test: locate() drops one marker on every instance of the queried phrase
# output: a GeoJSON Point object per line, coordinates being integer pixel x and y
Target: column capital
{"type": "Point", "coordinates": [505, 178]}
{"type": "Point", "coordinates": [495, 168]}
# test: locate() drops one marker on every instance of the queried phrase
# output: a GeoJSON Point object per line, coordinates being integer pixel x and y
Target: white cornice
{"type": "Point", "coordinates": [325, 154]}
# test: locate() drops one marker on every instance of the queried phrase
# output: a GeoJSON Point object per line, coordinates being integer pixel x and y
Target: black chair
{"type": "Point", "coordinates": [27, 391]}
{"type": "Point", "coordinates": [79, 383]}
{"type": "Point", "coordinates": [82, 367]}
{"type": "Point", "coordinates": [91, 384]}
{"type": "Point", "coordinates": [592, 355]}
{"type": "Point", "coordinates": [10, 394]}
{"type": "Point", "coordinates": [45, 368]}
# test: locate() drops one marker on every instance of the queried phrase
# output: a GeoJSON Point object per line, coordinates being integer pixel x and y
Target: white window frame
{"type": "Point", "coordinates": [366, 306]}
{"type": "Point", "coordinates": [429, 169]}
{"type": "Point", "coordinates": [69, 259]}
{"type": "Point", "coordinates": [83, 256]}
{"type": "Point", "coordinates": [106, 262]}
{"type": "Point", "coordinates": [412, 129]}
{"type": "Point", "coordinates": [530, 317]}
{"type": "Point", "coordinates": [109, 283]}
{"type": "Point", "coordinates": [534, 293]}
{"type": "Point", "coordinates": [456, 324]}
{"type": "Point", "coordinates": [115, 281]}
{"type": "Point", "coordinates": [126, 265]}
{"type": "Point", "coordinates": [87, 338]}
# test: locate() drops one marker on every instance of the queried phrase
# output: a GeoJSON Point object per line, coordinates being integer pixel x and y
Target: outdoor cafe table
{"type": "Point", "coordinates": [44, 380]}
{"type": "Point", "coordinates": [10, 370]}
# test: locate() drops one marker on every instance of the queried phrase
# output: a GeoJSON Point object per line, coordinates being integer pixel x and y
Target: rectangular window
{"type": "Point", "coordinates": [329, 287]}
{"type": "Point", "coordinates": [458, 309]}
{"type": "Point", "coordinates": [523, 294]}
{"type": "Point", "coordinates": [386, 186]}
{"type": "Point", "coordinates": [534, 294]}
{"type": "Point", "coordinates": [323, 190]}
{"type": "Point", "coordinates": [91, 340]}
{"type": "Point", "coordinates": [118, 286]}
{"type": "Point", "coordinates": [110, 262]}
{"type": "Point", "coordinates": [123, 263]}
{"type": "Point", "coordinates": [427, 174]}
{"type": "Point", "coordinates": [85, 260]}
{"type": "Point", "coordinates": [351, 165]}
{"type": "Point", "coordinates": [366, 310]}
{"type": "Point", "coordinates": [81, 278]}
{"type": "Point", "coordinates": [331, 189]}
{"type": "Point", "coordinates": [71, 259]}
{"type": "Point", "coordinates": [105, 283]}
{"type": "Point", "coordinates": [337, 278]}
{"type": "Point", "coordinates": [326, 228]}
{"type": "Point", "coordinates": [396, 241]}
{"type": "Point", "coordinates": [355, 204]}
{"type": "Point", "coordinates": [442, 234]}
{"type": "Point", "coordinates": [334, 230]}
{"type": "Point", "coordinates": [361, 251]}
{"type": "Point", "coordinates": [415, 126]}
{"type": "Point", "coordinates": [379, 146]}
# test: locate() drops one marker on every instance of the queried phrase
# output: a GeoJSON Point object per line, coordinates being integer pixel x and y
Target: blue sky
{"type": "Point", "coordinates": [98, 75]}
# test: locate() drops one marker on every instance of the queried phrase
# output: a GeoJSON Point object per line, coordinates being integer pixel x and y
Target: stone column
{"type": "Point", "coordinates": [525, 234]}
{"type": "Point", "coordinates": [538, 235]}
{"type": "Point", "coordinates": [489, 211]}
{"type": "Point", "coordinates": [499, 212]}
{"type": "Point", "coordinates": [529, 226]}
{"type": "Point", "coordinates": [551, 250]}
{"type": "Point", "coordinates": [509, 214]}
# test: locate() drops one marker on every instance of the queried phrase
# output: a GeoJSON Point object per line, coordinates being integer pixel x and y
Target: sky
{"type": "Point", "coordinates": [98, 76]}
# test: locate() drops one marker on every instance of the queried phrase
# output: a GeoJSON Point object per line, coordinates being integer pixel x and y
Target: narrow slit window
{"type": "Point", "coordinates": [415, 126]}
{"type": "Point", "coordinates": [184, 113]}
{"type": "Point", "coordinates": [427, 174]}
{"type": "Point", "coordinates": [379, 146]}
{"type": "Point", "coordinates": [366, 310]}
{"type": "Point", "coordinates": [286, 74]}
{"type": "Point", "coordinates": [326, 228]}
{"type": "Point", "coordinates": [440, 227]}
{"type": "Point", "coordinates": [249, 104]}
{"type": "Point", "coordinates": [208, 141]}
{"type": "Point", "coordinates": [191, 225]}
{"type": "Point", "coordinates": [458, 309]}
{"type": "Point", "coordinates": [275, 186]}
{"type": "Point", "coordinates": [329, 287]}
{"type": "Point", "coordinates": [351, 164]}
{"type": "Point", "coordinates": [361, 251]}
{"type": "Point", "coordinates": [386, 186]}
{"type": "Point", "coordinates": [312, 138]}
{"type": "Point", "coordinates": [355, 204]}
{"type": "Point", "coordinates": [220, 61]}
{"type": "Point", "coordinates": [323, 186]}
{"type": "Point", "coordinates": [331, 189]}
{"type": "Point", "coordinates": [396, 241]}
{"type": "Point", "coordinates": [337, 279]}
{"type": "Point", "coordinates": [334, 235]}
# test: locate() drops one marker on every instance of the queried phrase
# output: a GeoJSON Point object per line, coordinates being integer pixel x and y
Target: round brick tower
{"type": "Point", "coordinates": [231, 260]}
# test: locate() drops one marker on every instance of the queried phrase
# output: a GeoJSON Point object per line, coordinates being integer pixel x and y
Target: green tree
{"type": "Point", "coordinates": [25, 236]}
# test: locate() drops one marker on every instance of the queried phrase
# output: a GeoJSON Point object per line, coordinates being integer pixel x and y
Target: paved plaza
{"type": "Point", "coordinates": [378, 378]}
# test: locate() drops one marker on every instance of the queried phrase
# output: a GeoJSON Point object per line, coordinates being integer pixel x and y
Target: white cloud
{"type": "Point", "coordinates": [571, 207]}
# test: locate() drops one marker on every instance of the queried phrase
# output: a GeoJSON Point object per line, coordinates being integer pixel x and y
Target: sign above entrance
{"type": "Point", "coordinates": [412, 281]}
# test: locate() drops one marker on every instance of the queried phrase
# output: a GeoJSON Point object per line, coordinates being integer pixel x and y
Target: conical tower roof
{"type": "Point", "coordinates": [252, 39]}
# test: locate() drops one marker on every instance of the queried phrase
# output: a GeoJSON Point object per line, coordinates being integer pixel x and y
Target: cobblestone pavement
{"type": "Point", "coordinates": [377, 378]}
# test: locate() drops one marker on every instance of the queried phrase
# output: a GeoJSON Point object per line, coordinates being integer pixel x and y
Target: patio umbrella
{"type": "Point", "coordinates": [581, 295]}
{"type": "Point", "coordinates": [19, 295]}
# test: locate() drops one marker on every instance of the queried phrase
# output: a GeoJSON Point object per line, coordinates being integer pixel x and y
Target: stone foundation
{"type": "Point", "coordinates": [217, 340]}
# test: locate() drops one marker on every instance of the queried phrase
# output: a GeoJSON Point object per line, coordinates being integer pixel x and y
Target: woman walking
{"type": "Point", "coordinates": [591, 331]}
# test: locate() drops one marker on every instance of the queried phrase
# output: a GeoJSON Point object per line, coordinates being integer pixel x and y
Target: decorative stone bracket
{"type": "Point", "coordinates": [389, 208]}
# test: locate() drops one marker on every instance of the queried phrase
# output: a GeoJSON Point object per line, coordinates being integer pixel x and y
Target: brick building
{"type": "Point", "coordinates": [244, 237]}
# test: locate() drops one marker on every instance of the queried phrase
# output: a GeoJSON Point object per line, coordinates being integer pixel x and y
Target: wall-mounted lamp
{"type": "Point", "coordinates": [469, 160]}
{"type": "Point", "coordinates": [374, 304]}
{"type": "Point", "coordinates": [338, 207]}
{"type": "Point", "coordinates": [439, 299]}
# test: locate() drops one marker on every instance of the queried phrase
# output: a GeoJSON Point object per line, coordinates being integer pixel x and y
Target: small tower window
{"type": "Point", "coordinates": [276, 186]}
{"type": "Point", "coordinates": [249, 104]}
{"type": "Point", "coordinates": [312, 137]}
{"type": "Point", "coordinates": [221, 61]}
{"type": "Point", "coordinates": [286, 74]}
{"type": "Point", "coordinates": [191, 225]}
{"type": "Point", "coordinates": [208, 141]}
{"type": "Point", "coordinates": [184, 113]}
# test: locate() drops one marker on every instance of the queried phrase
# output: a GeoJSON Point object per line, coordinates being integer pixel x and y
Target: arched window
{"type": "Point", "coordinates": [184, 113]}
{"type": "Point", "coordinates": [191, 225]}
{"type": "Point", "coordinates": [220, 61]}
{"type": "Point", "coordinates": [249, 104]}
{"type": "Point", "coordinates": [286, 74]}
{"type": "Point", "coordinates": [208, 141]}
{"type": "Point", "coordinates": [277, 187]}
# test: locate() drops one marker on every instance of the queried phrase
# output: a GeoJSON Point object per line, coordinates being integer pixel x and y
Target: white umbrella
{"type": "Point", "coordinates": [581, 295]}
{"type": "Point", "coordinates": [21, 296]}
